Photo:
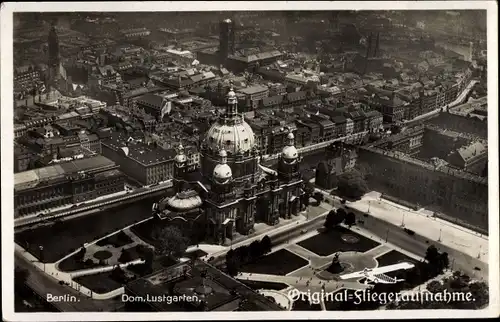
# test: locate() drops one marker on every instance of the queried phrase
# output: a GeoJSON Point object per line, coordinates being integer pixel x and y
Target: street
{"type": "Point", "coordinates": [43, 284]}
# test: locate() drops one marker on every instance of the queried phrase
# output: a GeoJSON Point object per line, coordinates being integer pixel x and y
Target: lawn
{"type": "Point", "coordinates": [339, 239]}
{"type": "Point", "coordinates": [64, 237]}
{"type": "Point", "coordinates": [145, 229]}
{"type": "Point", "coordinates": [258, 285]}
{"type": "Point", "coordinates": [102, 255]}
{"type": "Point", "coordinates": [195, 254]}
{"type": "Point", "coordinates": [117, 240]}
{"type": "Point", "coordinates": [99, 283]}
{"type": "Point", "coordinates": [135, 252]}
{"type": "Point", "coordinates": [281, 262]}
{"type": "Point", "coordinates": [70, 264]}
{"type": "Point", "coordinates": [394, 257]}
{"type": "Point", "coordinates": [103, 282]}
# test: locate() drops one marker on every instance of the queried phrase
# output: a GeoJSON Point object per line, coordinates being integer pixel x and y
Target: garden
{"type": "Point", "coordinates": [281, 262]}
{"type": "Point", "coordinates": [338, 239]}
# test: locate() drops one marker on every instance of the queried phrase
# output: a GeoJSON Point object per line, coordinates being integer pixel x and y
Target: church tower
{"type": "Point", "coordinates": [289, 176]}
{"type": "Point", "coordinates": [54, 58]}
{"type": "Point", "coordinates": [229, 161]}
{"type": "Point", "coordinates": [180, 165]}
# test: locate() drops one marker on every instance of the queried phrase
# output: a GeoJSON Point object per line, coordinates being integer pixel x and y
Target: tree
{"type": "Point", "coordinates": [232, 263]}
{"type": "Point", "coordinates": [318, 196]}
{"type": "Point", "coordinates": [341, 213]}
{"type": "Point", "coordinates": [350, 219]}
{"type": "Point", "coordinates": [20, 276]}
{"type": "Point", "coordinates": [243, 253]}
{"type": "Point", "coordinates": [330, 218]}
{"type": "Point", "coordinates": [148, 256]}
{"type": "Point", "coordinates": [309, 188]}
{"type": "Point", "coordinates": [255, 249]}
{"type": "Point", "coordinates": [352, 185]}
{"type": "Point", "coordinates": [322, 175]}
{"type": "Point", "coordinates": [431, 254]}
{"type": "Point", "coordinates": [443, 261]}
{"type": "Point", "coordinates": [81, 254]}
{"type": "Point", "coordinates": [170, 241]}
{"type": "Point", "coordinates": [266, 244]}
{"type": "Point", "coordinates": [125, 256]}
{"type": "Point", "coordinates": [118, 275]}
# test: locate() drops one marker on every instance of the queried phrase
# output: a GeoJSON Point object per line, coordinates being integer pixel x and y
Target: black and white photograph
{"type": "Point", "coordinates": [233, 160]}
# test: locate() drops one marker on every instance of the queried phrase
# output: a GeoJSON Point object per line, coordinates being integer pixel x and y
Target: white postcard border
{"type": "Point", "coordinates": [6, 83]}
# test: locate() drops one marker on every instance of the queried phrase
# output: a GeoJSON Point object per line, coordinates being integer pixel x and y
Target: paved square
{"type": "Point", "coordinates": [281, 262]}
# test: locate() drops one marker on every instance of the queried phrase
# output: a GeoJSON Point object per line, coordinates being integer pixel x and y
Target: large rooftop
{"type": "Point", "coordinates": [216, 289]}
{"type": "Point", "coordinates": [31, 178]}
{"type": "Point", "coordinates": [253, 89]}
{"type": "Point", "coordinates": [477, 108]}
{"type": "Point", "coordinates": [137, 150]}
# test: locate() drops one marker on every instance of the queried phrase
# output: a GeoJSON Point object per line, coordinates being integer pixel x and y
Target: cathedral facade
{"type": "Point", "coordinates": [234, 190]}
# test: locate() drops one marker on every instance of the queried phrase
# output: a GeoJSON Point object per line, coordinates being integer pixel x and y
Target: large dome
{"type": "Point", "coordinates": [231, 132]}
{"type": "Point", "coordinates": [234, 138]}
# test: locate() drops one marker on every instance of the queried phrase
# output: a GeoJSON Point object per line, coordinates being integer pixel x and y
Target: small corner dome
{"type": "Point", "coordinates": [222, 173]}
{"type": "Point", "coordinates": [290, 136]}
{"type": "Point", "coordinates": [180, 158]}
{"type": "Point", "coordinates": [231, 93]}
{"type": "Point", "coordinates": [290, 152]}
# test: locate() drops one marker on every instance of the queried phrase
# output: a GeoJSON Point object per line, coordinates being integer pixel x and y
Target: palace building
{"type": "Point", "coordinates": [233, 190]}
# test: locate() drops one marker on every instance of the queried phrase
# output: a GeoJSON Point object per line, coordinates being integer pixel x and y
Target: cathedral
{"type": "Point", "coordinates": [234, 190]}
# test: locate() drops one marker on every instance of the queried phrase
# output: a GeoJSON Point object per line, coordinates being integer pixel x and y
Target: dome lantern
{"type": "Point", "coordinates": [180, 158]}
{"type": "Point", "coordinates": [232, 103]}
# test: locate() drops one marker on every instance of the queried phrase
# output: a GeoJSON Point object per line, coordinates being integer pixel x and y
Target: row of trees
{"type": "Point", "coordinates": [170, 241]}
{"type": "Point", "coordinates": [437, 262]}
{"type": "Point", "coordinates": [351, 184]}
{"type": "Point", "coordinates": [236, 258]}
{"type": "Point", "coordinates": [335, 218]}
{"type": "Point", "coordinates": [458, 282]}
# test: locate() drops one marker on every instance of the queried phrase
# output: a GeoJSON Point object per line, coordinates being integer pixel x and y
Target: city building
{"type": "Point", "coordinates": [472, 158]}
{"type": "Point", "coordinates": [145, 163]}
{"type": "Point", "coordinates": [397, 171]}
{"type": "Point", "coordinates": [203, 288]}
{"type": "Point", "coordinates": [226, 40]}
{"type": "Point", "coordinates": [135, 32]}
{"type": "Point", "coordinates": [254, 94]}
{"type": "Point", "coordinates": [65, 183]}
{"type": "Point", "coordinates": [339, 158]}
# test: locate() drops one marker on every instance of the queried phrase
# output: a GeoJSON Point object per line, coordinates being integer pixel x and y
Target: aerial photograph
{"type": "Point", "coordinates": [228, 161]}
